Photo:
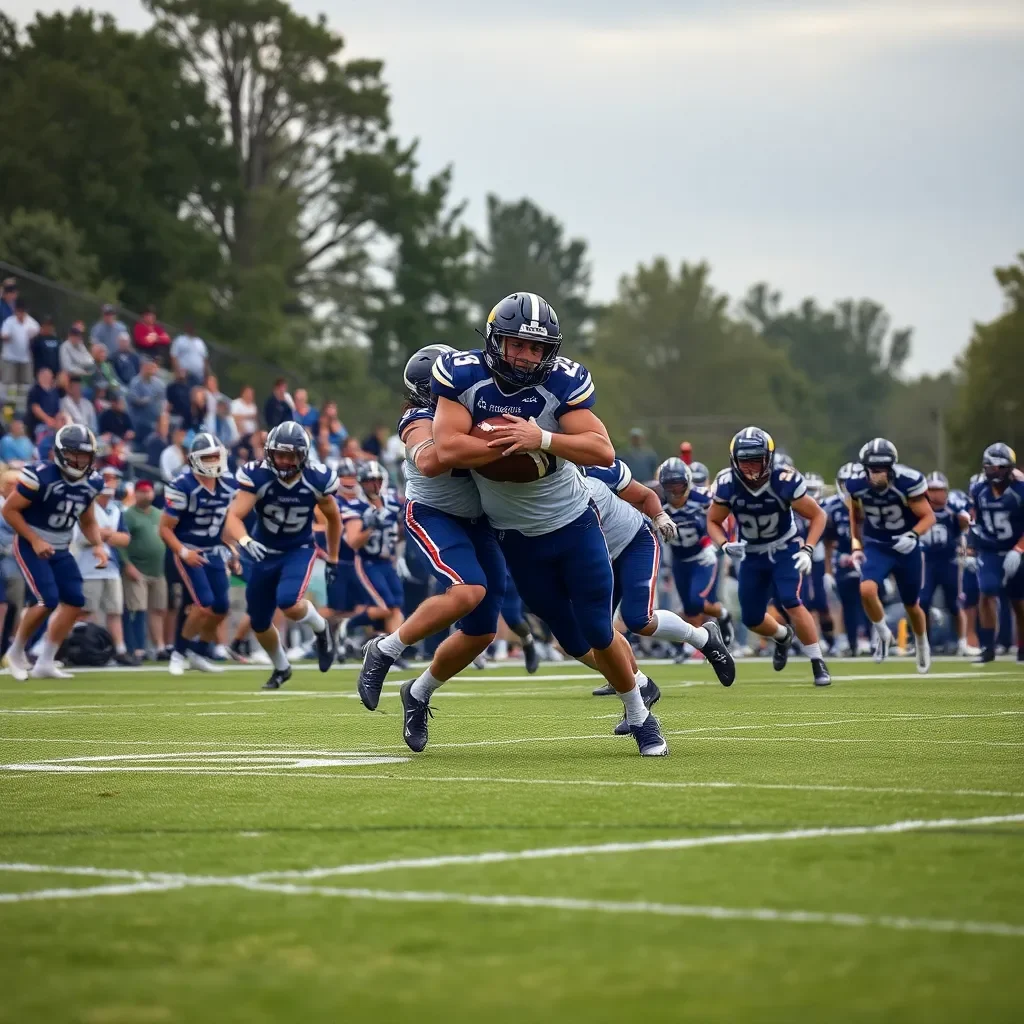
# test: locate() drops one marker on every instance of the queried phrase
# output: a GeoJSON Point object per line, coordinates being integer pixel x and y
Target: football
{"type": "Point", "coordinates": [521, 468]}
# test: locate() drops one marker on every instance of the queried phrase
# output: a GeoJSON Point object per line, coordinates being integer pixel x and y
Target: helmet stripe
{"type": "Point", "coordinates": [534, 309]}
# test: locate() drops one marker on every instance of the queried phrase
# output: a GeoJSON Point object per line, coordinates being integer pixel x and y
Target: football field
{"type": "Point", "coordinates": [194, 850]}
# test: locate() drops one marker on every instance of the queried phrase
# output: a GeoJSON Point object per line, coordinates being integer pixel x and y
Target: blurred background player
{"type": "Point", "coordinates": [839, 557]}
{"type": "Point", "coordinates": [814, 594]}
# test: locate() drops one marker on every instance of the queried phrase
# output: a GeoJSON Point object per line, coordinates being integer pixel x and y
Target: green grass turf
{"type": "Point", "coordinates": [515, 764]}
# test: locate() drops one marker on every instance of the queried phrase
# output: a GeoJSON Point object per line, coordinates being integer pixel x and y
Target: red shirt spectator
{"type": "Point", "coordinates": [149, 335]}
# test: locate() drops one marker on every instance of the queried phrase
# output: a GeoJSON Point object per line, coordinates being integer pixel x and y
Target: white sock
{"type": "Point", "coordinates": [275, 650]}
{"type": "Point", "coordinates": [48, 650]}
{"type": "Point", "coordinates": [391, 646]}
{"type": "Point", "coordinates": [781, 632]}
{"type": "Point", "coordinates": [882, 627]}
{"type": "Point", "coordinates": [424, 687]}
{"type": "Point", "coordinates": [812, 650]}
{"type": "Point", "coordinates": [636, 713]}
{"type": "Point", "coordinates": [921, 640]}
{"type": "Point", "coordinates": [314, 618]}
{"type": "Point", "coordinates": [669, 626]}
{"type": "Point", "coordinates": [17, 647]}
{"type": "Point", "coordinates": [120, 648]}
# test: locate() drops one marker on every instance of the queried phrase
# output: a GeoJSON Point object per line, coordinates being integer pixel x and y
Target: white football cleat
{"type": "Point", "coordinates": [177, 665]}
{"type": "Point", "coordinates": [965, 650]}
{"type": "Point", "coordinates": [883, 641]}
{"type": "Point", "coordinates": [924, 656]}
{"type": "Point", "coordinates": [197, 661]}
{"type": "Point", "coordinates": [49, 670]}
{"type": "Point", "coordinates": [17, 665]}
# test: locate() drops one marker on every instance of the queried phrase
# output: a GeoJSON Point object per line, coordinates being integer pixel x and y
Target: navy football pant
{"type": "Point", "coordinates": [52, 581]}
{"type": "Point", "coordinates": [636, 579]}
{"type": "Point", "coordinates": [279, 581]}
{"type": "Point", "coordinates": [854, 617]}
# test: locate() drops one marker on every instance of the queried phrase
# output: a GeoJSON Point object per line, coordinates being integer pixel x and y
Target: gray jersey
{"type": "Point", "coordinates": [620, 522]}
{"type": "Point", "coordinates": [453, 492]}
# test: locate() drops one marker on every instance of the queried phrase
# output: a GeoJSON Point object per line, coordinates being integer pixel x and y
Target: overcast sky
{"type": "Point", "coordinates": [830, 147]}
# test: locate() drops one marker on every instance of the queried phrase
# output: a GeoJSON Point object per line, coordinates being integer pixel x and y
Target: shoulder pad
{"type": "Point", "coordinates": [911, 481]}
{"type": "Point", "coordinates": [410, 416]}
{"type": "Point", "coordinates": [571, 382]}
{"type": "Point", "coordinates": [721, 489]}
{"type": "Point", "coordinates": [454, 372]}
{"type": "Point", "coordinates": [31, 476]}
{"type": "Point", "coordinates": [251, 476]}
{"type": "Point", "coordinates": [95, 482]}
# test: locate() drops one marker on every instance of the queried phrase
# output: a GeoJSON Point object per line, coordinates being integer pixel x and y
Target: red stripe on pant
{"type": "Point", "coordinates": [432, 550]}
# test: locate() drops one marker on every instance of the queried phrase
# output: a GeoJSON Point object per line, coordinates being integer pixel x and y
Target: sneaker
{"type": "Point", "coordinates": [278, 678]}
{"type": "Point", "coordinates": [177, 665]}
{"type": "Point", "coordinates": [883, 641]}
{"type": "Point", "coordinates": [197, 661]}
{"type": "Point", "coordinates": [324, 649]}
{"type": "Point", "coordinates": [17, 665]}
{"type": "Point", "coordinates": [725, 624]}
{"type": "Point", "coordinates": [604, 691]}
{"type": "Point", "coordinates": [650, 694]}
{"type": "Point", "coordinates": [416, 713]}
{"type": "Point", "coordinates": [531, 657]}
{"type": "Point", "coordinates": [716, 651]}
{"type": "Point", "coordinates": [49, 670]}
{"type": "Point", "coordinates": [781, 653]}
{"type": "Point", "coordinates": [924, 657]}
{"type": "Point", "coordinates": [372, 674]}
{"type": "Point", "coordinates": [649, 739]}
{"type": "Point", "coordinates": [820, 670]}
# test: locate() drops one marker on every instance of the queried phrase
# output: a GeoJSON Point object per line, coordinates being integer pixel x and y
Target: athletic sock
{"type": "Point", "coordinates": [314, 618]}
{"type": "Point", "coordinates": [392, 646]}
{"type": "Point", "coordinates": [640, 678]}
{"type": "Point", "coordinates": [669, 626]}
{"type": "Point", "coordinates": [636, 713]}
{"type": "Point", "coordinates": [423, 688]}
{"type": "Point", "coordinates": [276, 652]}
{"type": "Point", "coordinates": [813, 651]}
{"type": "Point", "coordinates": [48, 651]}
{"type": "Point", "coordinates": [120, 648]}
{"type": "Point", "coordinates": [781, 633]}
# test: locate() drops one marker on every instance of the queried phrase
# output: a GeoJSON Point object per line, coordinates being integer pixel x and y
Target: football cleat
{"type": "Point", "coordinates": [727, 627]}
{"type": "Point", "coordinates": [883, 641]}
{"type": "Point", "coordinates": [650, 694]}
{"type": "Point", "coordinates": [372, 674]}
{"type": "Point", "coordinates": [197, 661]}
{"type": "Point", "coordinates": [604, 691]}
{"type": "Point", "coordinates": [177, 665]}
{"type": "Point", "coordinates": [415, 717]}
{"type": "Point", "coordinates": [987, 656]}
{"type": "Point", "coordinates": [716, 652]}
{"type": "Point", "coordinates": [324, 649]}
{"type": "Point", "coordinates": [924, 656]}
{"type": "Point", "coordinates": [278, 678]}
{"type": "Point", "coordinates": [531, 657]}
{"type": "Point", "coordinates": [237, 653]}
{"type": "Point", "coordinates": [781, 654]}
{"type": "Point", "coordinates": [49, 670]}
{"type": "Point", "coordinates": [965, 650]}
{"type": "Point", "coordinates": [649, 738]}
{"type": "Point", "coordinates": [480, 662]}
{"type": "Point", "coordinates": [820, 670]}
{"type": "Point", "coordinates": [17, 665]}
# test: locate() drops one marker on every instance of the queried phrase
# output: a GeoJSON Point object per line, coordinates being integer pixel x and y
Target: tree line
{"type": "Point", "coordinates": [233, 167]}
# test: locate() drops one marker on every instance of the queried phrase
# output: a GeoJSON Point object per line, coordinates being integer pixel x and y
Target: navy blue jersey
{"type": "Point", "coordinates": [200, 513]}
{"type": "Point", "coordinates": [617, 476]}
{"type": "Point", "coordinates": [764, 517]}
{"type": "Point", "coordinates": [56, 502]}
{"type": "Point", "coordinates": [691, 519]}
{"type": "Point", "coordinates": [285, 510]}
{"type": "Point", "coordinates": [837, 529]}
{"type": "Point", "coordinates": [887, 513]}
{"type": "Point", "coordinates": [380, 547]}
{"type": "Point", "coordinates": [941, 542]}
{"type": "Point", "coordinates": [998, 519]}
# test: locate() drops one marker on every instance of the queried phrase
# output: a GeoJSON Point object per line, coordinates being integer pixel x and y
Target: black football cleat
{"type": "Point", "coordinates": [727, 627]}
{"type": "Point", "coordinates": [604, 691]}
{"type": "Point", "coordinates": [278, 678]}
{"type": "Point", "coordinates": [717, 653]}
{"type": "Point", "coordinates": [781, 655]}
{"type": "Point", "coordinates": [324, 648]}
{"type": "Point", "coordinates": [650, 694]}
{"type": "Point", "coordinates": [649, 738]}
{"type": "Point", "coordinates": [531, 657]}
{"type": "Point", "coordinates": [987, 655]}
{"type": "Point", "coordinates": [820, 670]}
{"type": "Point", "coordinates": [372, 674]}
{"type": "Point", "coordinates": [237, 653]}
{"type": "Point", "coordinates": [415, 716]}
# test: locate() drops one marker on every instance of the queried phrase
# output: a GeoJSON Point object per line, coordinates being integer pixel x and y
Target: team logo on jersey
{"type": "Point", "coordinates": [530, 399]}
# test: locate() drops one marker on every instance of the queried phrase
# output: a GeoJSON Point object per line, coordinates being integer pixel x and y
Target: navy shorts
{"type": "Point", "coordinates": [941, 574]}
{"type": "Point", "coordinates": [990, 577]}
{"type": "Point", "coordinates": [52, 581]}
{"type": "Point", "coordinates": [768, 576]}
{"type": "Point", "coordinates": [279, 581]}
{"type": "Point", "coordinates": [969, 590]}
{"type": "Point", "coordinates": [565, 578]}
{"type": "Point", "coordinates": [696, 584]}
{"type": "Point", "coordinates": [462, 551]}
{"type": "Point", "coordinates": [636, 579]}
{"type": "Point", "coordinates": [380, 582]}
{"type": "Point", "coordinates": [347, 594]}
{"type": "Point", "coordinates": [855, 620]}
{"type": "Point", "coordinates": [207, 585]}
{"type": "Point", "coordinates": [881, 561]}
{"type": "Point", "coordinates": [813, 593]}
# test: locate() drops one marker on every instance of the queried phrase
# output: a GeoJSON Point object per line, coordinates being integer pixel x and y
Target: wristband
{"type": "Point", "coordinates": [545, 440]}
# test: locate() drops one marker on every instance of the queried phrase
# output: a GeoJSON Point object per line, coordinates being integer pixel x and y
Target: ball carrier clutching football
{"type": "Point", "coordinates": [519, 415]}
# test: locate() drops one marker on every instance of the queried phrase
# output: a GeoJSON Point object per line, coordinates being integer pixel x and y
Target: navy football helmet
{"type": "Point", "coordinates": [699, 473]}
{"type": "Point", "coordinates": [846, 472]}
{"type": "Point", "coordinates": [418, 374]}
{"type": "Point", "coordinates": [815, 485]}
{"type": "Point", "coordinates": [998, 463]}
{"type": "Point", "coordinates": [518, 319]}
{"type": "Point", "coordinates": [937, 481]}
{"type": "Point", "coordinates": [752, 444]}
{"type": "Point", "coordinates": [372, 477]}
{"type": "Point", "coordinates": [784, 460]}
{"type": "Point", "coordinates": [347, 478]}
{"type": "Point", "coordinates": [676, 479]}
{"type": "Point", "coordinates": [878, 455]}
{"type": "Point", "coordinates": [287, 449]}
{"type": "Point", "coordinates": [74, 450]}
{"type": "Point", "coordinates": [207, 456]}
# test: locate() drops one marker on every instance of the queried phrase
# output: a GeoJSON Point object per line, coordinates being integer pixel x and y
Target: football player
{"type": "Point", "coordinates": [49, 499]}
{"type": "Point", "coordinates": [284, 489]}
{"type": "Point", "coordinates": [700, 476]}
{"type": "Point", "coordinates": [942, 546]}
{"type": "Point", "coordinates": [997, 501]}
{"type": "Point", "coordinates": [195, 506]}
{"type": "Point", "coordinates": [515, 620]}
{"type": "Point", "coordinates": [547, 529]}
{"type": "Point", "coordinates": [772, 560]}
{"type": "Point", "coordinates": [815, 596]}
{"type": "Point", "coordinates": [694, 559]}
{"type": "Point", "coordinates": [889, 514]}
{"type": "Point", "coordinates": [839, 557]}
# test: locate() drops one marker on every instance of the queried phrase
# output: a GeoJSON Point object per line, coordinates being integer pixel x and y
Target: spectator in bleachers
{"type": "Point", "coordinates": [306, 414]}
{"type": "Point", "coordinates": [212, 387]}
{"type": "Point", "coordinates": [43, 405]}
{"type": "Point", "coordinates": [179, 396]}
{"type": "Point", "coordinates": [115, 421]}
{"type": "Point", "coordinates": [146, 398]}
{"type": "Point", "coordinates": [126, 361]}
{"type": "Point", "coordinates": [277, 409]}
{"type": "Point", "coordinates": [197, 410]}
{"type": "Point", "coordinates": [104, 375]}
{"type": "Point", "coordinates": [8, 297]}
{"type": "Point", "coordinates": [641, 458]}
{"type": "Point", "coordinates": [107, 330]}
{"type": "Point", "coordinates": [245, 413]}
{"type": "Point", "coordinates": [373, 444]}
{"type": "Point", "coordinates": [154, 443]}
{"type": "Point", "coordinates": [45, 348]}
{"type": "Point", "coordinates": [16, 334]}
{"type": "Point", "coordinates": [336, 429]}
{"type": "Point", "coordinates": [351, 450]}
{"type": "Point", "coordinates": [189, 351]}
{"type": "Point", "coordinates": [173, 457]}
{"type": "Point", "coordinates": [145, 586]}
{"type": "Point", "coordinates": [16, 445]}
{"type": "Point", "coordinates": [113, 455]}
{"type": "Point", "coordinates": [75, 358]}
{"type": "Point", "coordinates": [77, 408]}
{"type": "Point", "coordinates": [151, 338]}
{"type": "Point", "coordinates": [226, 431]}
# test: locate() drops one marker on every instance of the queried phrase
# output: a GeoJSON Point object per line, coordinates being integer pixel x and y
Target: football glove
{"type": "Point", "coordinates": [1011, 563]}
{"type": "Point", "coordinates": [402, 568]}
{"type": "Point", "coordinates": [253, 548]}
{"type": "Point", "coordinates": [330, 573]}
{"type": "Point", "coordinates": [803, 559]}
{"type": "Point", "coordinates": [667, 530]}
{"type": "Point", "coordinates": [905, 543]}
{"type": "Point", "coordinates": [708, 555]}
{"type": "Point", "coordinates": [736, 550]}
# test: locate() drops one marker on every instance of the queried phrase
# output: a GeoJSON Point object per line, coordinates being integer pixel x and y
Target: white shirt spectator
{"type": "Point", "coordinates": [246, 416]}
{"type": "Point", "coordinates": [191, 354]}
{"type": "Point", "coordinates": [109, 517]}
{"type": "Point", "coordinates": [80, 410]}
{"type": "Point", "coordinates": [17, 338]}
{"type": "Point", "coordinates": [75, 359]}
{"type": "Point", "coordinates": [171, 462]}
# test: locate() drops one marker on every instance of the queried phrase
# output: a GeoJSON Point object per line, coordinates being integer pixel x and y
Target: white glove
{"type": "Point", "coordinates": [667, 530]}
{"type": "Point", "coordinates": [736, 550]}
{"type": "Point", "coordinates": [970, 563]}
{"type": "Point", "coordinates": [830, 585]}
{"type": "Point", "coordinates": [905, 543]}
{"type": "Point", "coordinates": [253, 548]}
{"type": "Point", "coordinates": [1011, 563]}
{"type": "Point", "coordinates": [708, 555]}
{"type": "Point", "coordinates": [803, 559]}
{"type": "Point", "coordinates": [402, 569]}
{"type": "Point", "coordinates": [857, 560]}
